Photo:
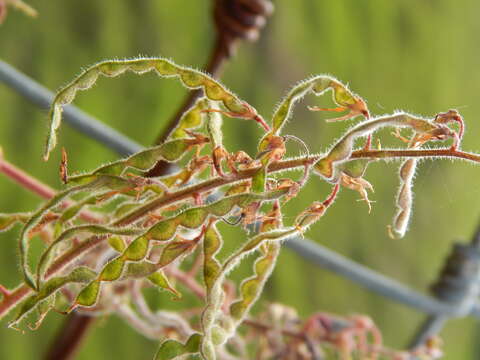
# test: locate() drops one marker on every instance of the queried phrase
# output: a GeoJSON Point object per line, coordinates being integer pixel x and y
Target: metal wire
{"type": "Point", "coordinates": [439, 310]}
{"type": "Point", "coordinates": [458, 284]}
{"type": "Point", "coordinates": [372, 280]}
{"type": "Point", "coordinates": [42, 97]}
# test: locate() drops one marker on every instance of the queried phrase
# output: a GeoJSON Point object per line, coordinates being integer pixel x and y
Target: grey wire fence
{"type": "Point", "coordinates": [455, 294]}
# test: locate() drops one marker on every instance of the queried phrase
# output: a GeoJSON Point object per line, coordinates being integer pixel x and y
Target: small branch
{"type": "Point", "coordinates": [207, 185]}
{"type": "Point", "coordinates": [20, 293]}
{"type": "Point", "coordinates": [288, 164]}
{"type": "Point", "coordinates": [436, 153]}
{"type": "Point", "coordinates": [37, 187]}
{"type": "Point", "coordinates": [187, 281]}
{"type": "Point", "coordinates": [86, 124]}
{"type": "Point", "coordinates": [24, 180]}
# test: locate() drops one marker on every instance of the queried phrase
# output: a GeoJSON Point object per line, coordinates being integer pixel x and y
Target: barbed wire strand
{"type": "Point", "coordinates": [458, 284]}
{"type": "Point", "coordinates": [42, 97]}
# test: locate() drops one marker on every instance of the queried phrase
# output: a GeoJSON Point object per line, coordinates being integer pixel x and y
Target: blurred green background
{"type": "Point", "coordinates": [421, 56]}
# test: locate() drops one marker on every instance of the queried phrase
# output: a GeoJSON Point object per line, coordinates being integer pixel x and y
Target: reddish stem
{"type": "Point", "coordinates": [186, 280]}
{"type": "Point", "coordinates": [25, 180]}
{"type": "Point", "coordinates": [37, 187]}
{"type": "Point", "coordinates": [381, 154]}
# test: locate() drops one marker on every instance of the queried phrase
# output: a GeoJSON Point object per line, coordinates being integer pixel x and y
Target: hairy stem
{"type": "Point", "coordinates": [288, 164]}
{"type": "Point", "coordinates": [436, 153]}
{"type": "Point", "coordinates": [21, 292]}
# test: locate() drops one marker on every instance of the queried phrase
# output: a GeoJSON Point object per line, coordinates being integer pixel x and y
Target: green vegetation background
{"type": "Point", "coordinates": [418, 55]}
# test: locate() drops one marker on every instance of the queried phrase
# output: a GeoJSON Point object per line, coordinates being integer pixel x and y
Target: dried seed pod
{"type": "Point", "coordinates": [404, 200]}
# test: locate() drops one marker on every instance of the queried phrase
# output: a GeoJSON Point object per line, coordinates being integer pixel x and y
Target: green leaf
{"type": "Point", "coordinates": [89, 294]}
{"type": "Point", "coordinates": [172, 349]}
{"type": "Point", "coordinates": [212, 244]}
{"type": "Point", "coordinates": [159, 279]}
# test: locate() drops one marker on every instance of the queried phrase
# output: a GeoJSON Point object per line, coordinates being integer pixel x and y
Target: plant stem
{"type": "Point", "coordinates": [24, 180]}
{"type": "Point", "coordinates": [436, 153]}
{"type": "Point", "coordinates": [288, 164]}
{"type": "Point", "coordinates": [221, 52]}
{"type": "Point", "coordinates": [37, 187]}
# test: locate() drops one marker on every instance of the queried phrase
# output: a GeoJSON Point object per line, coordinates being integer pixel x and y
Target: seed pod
{"type": "Point", "coordinates": [172, 349]}
{"type": "Point", "coordinates": [192, 79]}
{"type": "Point", "coordinates": [165, 230]}
{"type": "Point", "coordinates": [318, 85]}
{"type": "Point", "coordinates": [191, 119]}
{"type": "Point", "coordinates": [78, 275]}
{"type": "Point", "coordinates": [170, 151]}
{"type": "Point", "coordinates": [73, 231]}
